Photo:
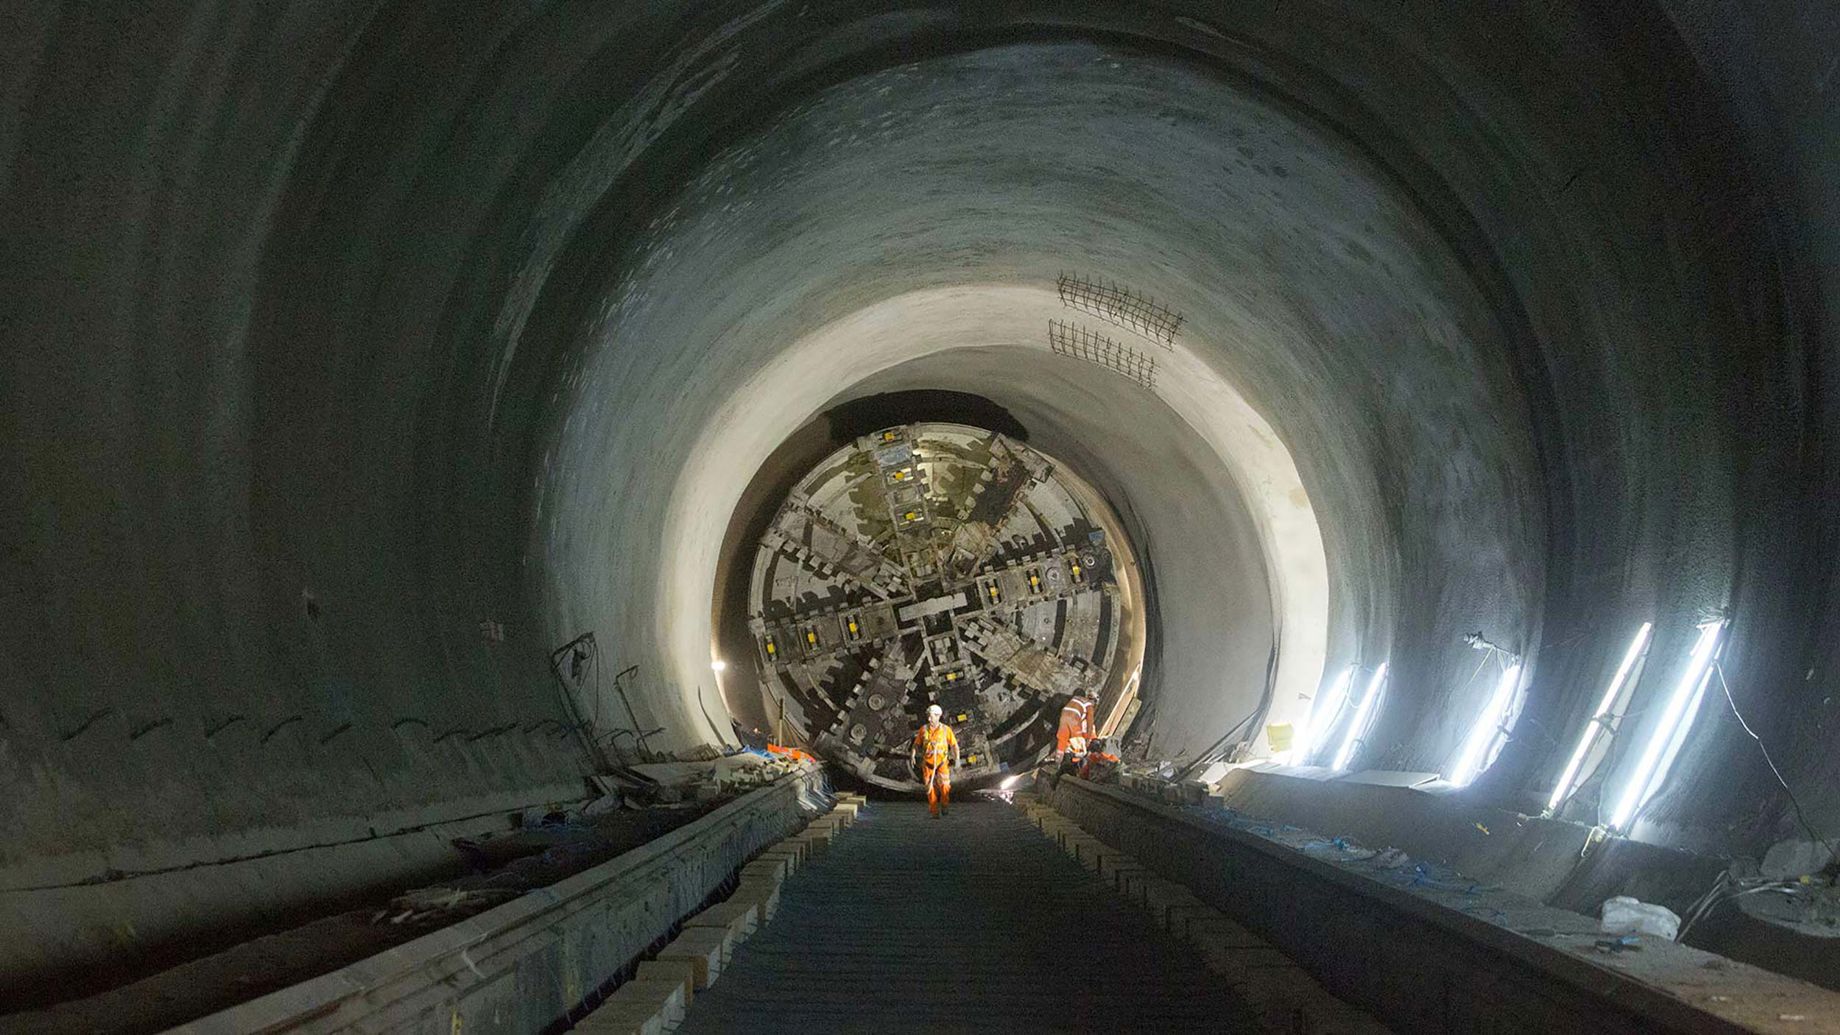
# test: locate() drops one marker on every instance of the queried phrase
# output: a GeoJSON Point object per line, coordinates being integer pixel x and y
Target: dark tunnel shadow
{"type": "Point", "coordinates": [859, 417]}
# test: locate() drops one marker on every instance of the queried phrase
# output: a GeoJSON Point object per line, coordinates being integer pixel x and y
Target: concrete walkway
{"type": "Point", "coordinates": [974, 921]}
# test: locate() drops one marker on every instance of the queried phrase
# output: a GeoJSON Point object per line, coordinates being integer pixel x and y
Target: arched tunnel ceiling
{"type": "Point", "coordinates": [1324, 290]}
{"type": "Point", "coordinates": [357, 356]}
{"type": "Point", "coordinates": [1128, 437]}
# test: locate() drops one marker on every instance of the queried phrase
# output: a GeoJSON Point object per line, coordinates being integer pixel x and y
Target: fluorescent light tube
{"type": "Point", "coordinates": [1362, 715]}
{"type": "Point", "coordinates": [1664, 740]}
{"type": "Point", "coordinates": [1322, 717]}
{"type": "Point", "coordinates": [1487, 732]}
{"type": "Point", "coordinates": [1595, 725]}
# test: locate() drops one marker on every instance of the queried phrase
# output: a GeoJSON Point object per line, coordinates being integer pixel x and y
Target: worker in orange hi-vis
{"type": "Point", "coordinates": [936, 750]}
{"type": "Point", "coordinates": [1076, 723]}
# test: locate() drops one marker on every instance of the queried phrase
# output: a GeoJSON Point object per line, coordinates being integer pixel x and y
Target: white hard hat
{"type": "Point", "coordinates": [933, 711]}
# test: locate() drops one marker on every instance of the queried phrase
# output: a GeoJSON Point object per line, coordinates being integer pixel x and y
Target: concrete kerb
{"type": "Point", "coordinates": [1120, 877]}
{"type": "Point", "coordinates": [1111, 865]}
{"type": "Point", "coordinates": [763, 895]}
{"type": "Point", "coordinates": [1334, 917]}
{"type": "Point", "coordinates": [640, 1005]}
{"type": "Point", "coordinates": [813, 845]}
{"type": "Point", "coordinates": [1285, 997]}
{"type": "Point", "coordinates": [705, 948]}
{"type": "Point", "coordinates": [739, 919]}
{"type": "Point", "coordinates": [815, 838]}
{"type": "Point", "coordinates": [1092, 854]}
{"type": "Point", "coordinates": [696, 957]}
{"type": "Point", "coordinates": [1176, 919]}
{"type": "Point", "coordinates": [755, 898]}
{"type": "Point", "coordinates": [681, 971]}
{"type": "Point", "coordinates": [1241, 964]}
{"type": "Point", "coordinates": [774, 869]}
{"type": "Point", "coordinates": [500, 963]}
{"type": "Point", "coordinates": [1213, 928]}
{"type": "Point", "coordinates": [787, 852]}
{"type": "Point", "coordinates": [1163, 897]}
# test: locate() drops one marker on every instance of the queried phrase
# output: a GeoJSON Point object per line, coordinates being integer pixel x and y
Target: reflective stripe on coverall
{"type": "Point", "coordinates": [1076, 721]}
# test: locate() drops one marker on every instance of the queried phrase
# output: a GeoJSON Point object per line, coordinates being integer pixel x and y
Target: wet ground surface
{"type": "Point", "coordinates": [970, 922]}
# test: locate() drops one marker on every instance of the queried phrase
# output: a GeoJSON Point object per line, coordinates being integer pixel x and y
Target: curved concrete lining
{"type": "Point", "coordinates": [707, 324]}
{"type": "Point", "coordinates": [1211, 490]}
{"type": "Point", "coordinates": [931, 325]}
{"type": "Point", "coordinates": [358, 355]}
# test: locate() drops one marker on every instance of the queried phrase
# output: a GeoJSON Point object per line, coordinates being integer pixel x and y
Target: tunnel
{"type": "Point", "coordinates": [403, 401]}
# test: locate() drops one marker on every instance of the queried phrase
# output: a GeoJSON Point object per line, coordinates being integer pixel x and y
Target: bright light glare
{"type": "Point", "coordinates": [719, 665]}
{"type": "Point", "coordinates": [1645, 779]}
{"type": "Point", "coordinates": [1595, 725]}
{"type": "Point", "coordinates": [1322, 716]}
{"type": "Point", "coordinates": [1358, 725]}
{"type": "Point", "coordinates": [1011, 781]}
{"type": "Point", "coordinates": [1487, 732]}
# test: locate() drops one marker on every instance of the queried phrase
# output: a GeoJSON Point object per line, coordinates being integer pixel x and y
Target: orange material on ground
{"type": "Point", "coordinates": [791, 752]}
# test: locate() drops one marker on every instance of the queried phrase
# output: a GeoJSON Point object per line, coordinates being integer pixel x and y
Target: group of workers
{"type": "Point", "coordinates": [1077, 750]}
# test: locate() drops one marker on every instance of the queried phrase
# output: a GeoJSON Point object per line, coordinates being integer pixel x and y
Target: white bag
{"type": "Point", "coordinates": [1625, 915]}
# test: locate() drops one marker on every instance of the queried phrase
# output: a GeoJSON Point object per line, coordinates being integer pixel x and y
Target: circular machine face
{"type": "Point", "coordinates": [934, 563]}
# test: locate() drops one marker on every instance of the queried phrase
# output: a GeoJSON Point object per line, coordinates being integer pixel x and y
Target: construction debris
{"type": "Point", "coordinates": [556, 843]}
{"type": "Point", "coordinates": [1625, 915]}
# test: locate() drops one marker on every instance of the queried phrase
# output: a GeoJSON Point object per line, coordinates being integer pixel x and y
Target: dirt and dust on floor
{"type": "Point", "coordinates": [637, 804]}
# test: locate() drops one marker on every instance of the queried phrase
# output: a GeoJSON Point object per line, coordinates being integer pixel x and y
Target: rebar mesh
{"type": "Point", "coordinates": [1121, 306]}
{"type": "Point", "coordinates": [1067, 339]}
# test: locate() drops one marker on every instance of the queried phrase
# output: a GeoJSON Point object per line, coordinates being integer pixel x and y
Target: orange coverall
{"type": "Point", "coordinates": [1076, 721]}
{"type": "Point", "coordinates": [936, 745]}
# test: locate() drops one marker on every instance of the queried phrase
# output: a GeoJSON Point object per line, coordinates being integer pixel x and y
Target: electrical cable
{"type": "Point", "coordinates": [1719, 894]}
{"type": "Point", "coordinates": [1213, 753]}
{"type": "Point", "coordinates": [1793, 803]}
{"type": "Point", "coordinates": [1703, 906]}
{"type": "Point", "coordinates": [720, 739]}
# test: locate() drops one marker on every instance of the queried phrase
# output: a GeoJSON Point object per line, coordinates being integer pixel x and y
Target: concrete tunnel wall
{"type": "Point", "coordinates": [334, 332]}
{"type": "Point", "coordinates": [853, 197]}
